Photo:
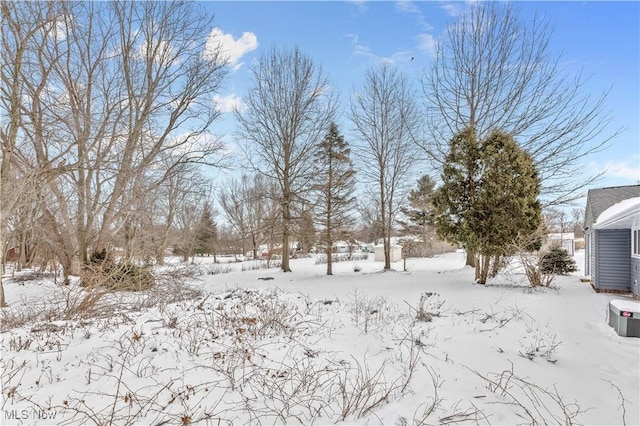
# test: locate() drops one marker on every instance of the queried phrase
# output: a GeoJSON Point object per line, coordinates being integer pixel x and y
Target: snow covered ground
{"type": "Point", "coordinates": [421, 346]}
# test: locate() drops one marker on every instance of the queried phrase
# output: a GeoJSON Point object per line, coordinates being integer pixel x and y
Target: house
{"type": "Point", "coordinates": [11, 255]}
{"type": "Point", "coordinates": [612, 233]}
{"type": "Point", "coordinates": [566, 240]}
{"type": "Point", "coordinates": [340, 247]}
{"type": "Point", "coordinates": [395, 253]}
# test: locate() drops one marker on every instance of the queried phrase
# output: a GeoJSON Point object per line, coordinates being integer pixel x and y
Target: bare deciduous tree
{"type": "Point", "coordinates": [24, 27]}
{"type": "Point", "coordinates": [245, 203]}
{"type": "Point", "coordinates": [288, 107]}
{"type": "Point", "coordinates": [386, 117]}
{"type": "Point", "coordinates": [113, 97]}
{"type": "Point", "coordinates": [182, 185]}
{"type": "Point", "coordinates": [493, 70]}
{"type": "Point", "coordinates": [577, 221]}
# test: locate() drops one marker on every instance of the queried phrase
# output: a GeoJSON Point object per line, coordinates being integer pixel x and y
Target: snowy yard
{"type": "Point", "coordinates": [424, 346]}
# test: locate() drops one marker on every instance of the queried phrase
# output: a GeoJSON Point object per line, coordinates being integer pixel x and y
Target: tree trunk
{"type": "Point", "coordinates": [329, 261]}
{"type": "Point", "coordinates": [495, 265]}
{"type": "Point", "coordinates": [2, 300]}
{"type": "Point", "coordinates": [387, 253]}
{"type": "Point", "coordinates": [285, 248]}
{"type": "Point", "coordinates": [286, 221]}
{"type": "Point", "coordinates": [62, 248]}
{"type": "Point", "coordinates": [22, 255]}
{"type": "Point", "coordinates": [161, 247]}
{"type": "Point", "coordinates": [129, 234]}
{"type": "Point", "coordinates": [482, 269]}
{"type": "Point", "coordinates": [471, 258]}
{"type": "Point", "coordinates": [82, 246]}
{"type": "Point", "coordinates": [329, 239]}
{"type": "Point", "coordinates": [254, 246]}
{"type": "Point", "coordinates": [329, 253]}
{"type": "Point", "coordinates": [386, 230]}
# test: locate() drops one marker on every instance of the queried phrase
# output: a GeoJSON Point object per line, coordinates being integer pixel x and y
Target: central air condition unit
{"type": "Point", "coordinates": [624, 317]}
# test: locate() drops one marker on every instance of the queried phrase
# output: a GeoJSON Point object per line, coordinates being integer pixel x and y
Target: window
{"type": "Point", "coordinates": [635, 243]}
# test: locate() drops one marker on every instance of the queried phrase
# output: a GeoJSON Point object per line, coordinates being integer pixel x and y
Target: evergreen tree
{"type": "Point", "coordinates": [420, 214]}
{"type": "Point", "coordinates": [306, 231]}
{"type": "Point", "coordinates": [557, 261]}
{"type": "Point", "coordinates": [489, 196]}
{"type": "Point", "coordinates": [453, 200]}
{"type": "Point", "coordinates": [335, 180]}
{"type": "Point", "coordinates": [206, 234]}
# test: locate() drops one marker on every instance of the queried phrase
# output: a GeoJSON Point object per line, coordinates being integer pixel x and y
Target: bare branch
{"type": "Point", "coordinates": [493, 71]}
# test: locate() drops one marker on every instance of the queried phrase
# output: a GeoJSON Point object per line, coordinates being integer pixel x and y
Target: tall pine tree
{"type": "Point", "coordinates": [489, 196]}
{"type": "Point", "coordinates": [335, 180]}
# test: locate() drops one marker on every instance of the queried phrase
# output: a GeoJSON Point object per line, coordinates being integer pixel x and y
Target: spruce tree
{"type": "Point", "coordinates": [556, 260]}
{"type": "Point", "coordinates": [335, 180]}
{"type": "Point", "coordinates": [420, 213]}
{"type": "Point", "coordinates": [489, 196]}
{"type": "Point", "coordinates": [206, 234]}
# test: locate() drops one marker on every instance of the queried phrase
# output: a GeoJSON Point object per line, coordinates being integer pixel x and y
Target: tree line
{"type": "Point", "coordinates": [108, 116]}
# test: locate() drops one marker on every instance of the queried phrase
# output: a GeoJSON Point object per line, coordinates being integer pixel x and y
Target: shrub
{"type": "Point", "coordinates": [557, 261]}
{"type": "Point", "coordinates": [99, 257]}
{"type": "Point", "coordinates": [105, 272]}
{"type": "Point", "coordinates": [127, 276]}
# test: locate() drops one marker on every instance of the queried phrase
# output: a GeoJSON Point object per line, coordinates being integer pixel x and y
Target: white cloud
{"type": "Point", "coordinates": [622, 169]}
{"type": "Point", "coordinates": [231, 48]}
{"type": "Point", "coordinates": [402, 56]}
{"type": "Point", "coordinates": [427, 44]}
{"type": "Point", "coordinates": [228, 103]}
{"type": "Point", "coordinates": [399, 57]}
{"type": "Point", "coordinates": [361, 5]}
{"type": "Point", "coordinates": [164, 53]}
{"type": "Point", "coordinates": [60, 32]}
{"type": "Point", "coordinates": [360, 49]}
{"type": "Point", "coordinates": [452, 9]}
{"type": "Point", "coordinates": [200, 146]}
{"type": "Point", "coordinates": [407, 6]}
{"type": "Point", "coordinates": [457, 8]}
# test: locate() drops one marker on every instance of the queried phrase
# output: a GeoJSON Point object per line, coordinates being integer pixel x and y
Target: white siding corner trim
{"type": "Point", "coordinates": [635, 242]}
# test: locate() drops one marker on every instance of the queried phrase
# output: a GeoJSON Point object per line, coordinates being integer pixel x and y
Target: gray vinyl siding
{"type": "Point", "coordinates": [635, 276]}
{"type": "Point", "coordinates": [612, 259]}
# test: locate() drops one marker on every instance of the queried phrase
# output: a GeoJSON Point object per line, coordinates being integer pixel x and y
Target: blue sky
{"type": "Point", "coordinates": [601, 39]}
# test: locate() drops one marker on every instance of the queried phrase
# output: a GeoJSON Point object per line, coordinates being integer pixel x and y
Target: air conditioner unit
{"type": "Point", "coordinates": [624, 317]}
